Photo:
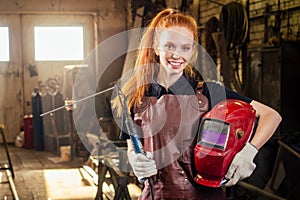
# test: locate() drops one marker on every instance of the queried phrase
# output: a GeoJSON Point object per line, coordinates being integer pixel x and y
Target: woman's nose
{"type": "Point", "coordinates": [175, 55]}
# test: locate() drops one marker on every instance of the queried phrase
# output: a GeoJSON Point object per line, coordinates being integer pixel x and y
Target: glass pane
{"type": "Point", "coordinates": [58, 43]}
{"type": "Point", "coordinates": [4, 41]}
{"type": "Point", "coordinates": [214, 133]}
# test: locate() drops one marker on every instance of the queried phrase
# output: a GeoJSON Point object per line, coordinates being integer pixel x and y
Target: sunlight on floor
{"type": "Point", "coordinates": [67, 184]}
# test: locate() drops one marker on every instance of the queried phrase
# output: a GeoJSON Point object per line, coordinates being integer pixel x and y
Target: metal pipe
{"type": "Point", "coordinates": [76, 101]}
{"type": "Point", "coordinates": [259, 191]}
{"type": "Point", "coordinates": [216, 2]}
{"type": "Point", "coordinates": [95, 21]}
{"type": "Point", "coordinates": [11, 182]}
{"type": "Point", "coordinates": [46, 12]}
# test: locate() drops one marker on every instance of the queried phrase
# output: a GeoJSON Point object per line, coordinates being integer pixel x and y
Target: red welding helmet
{"type": "Point", "coordinates": [223, 132]}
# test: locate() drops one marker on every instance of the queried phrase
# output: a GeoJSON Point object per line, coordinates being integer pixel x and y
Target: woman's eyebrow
{"type": "Point", "coordinates": [185, 44]}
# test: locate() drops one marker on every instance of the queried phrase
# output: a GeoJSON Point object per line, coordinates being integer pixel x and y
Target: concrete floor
{"type": "Point", "coordinates": [40, 175]}
{"type": "Point", "coordinates": [37, 177]}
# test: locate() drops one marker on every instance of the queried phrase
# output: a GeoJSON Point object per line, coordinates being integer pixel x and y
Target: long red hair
{"type": "Point", "coordinates": [147, 62]}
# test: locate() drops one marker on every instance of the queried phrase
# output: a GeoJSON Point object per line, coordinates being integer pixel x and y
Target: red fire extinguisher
{"type": "Point", "coordinates": [28, 131]}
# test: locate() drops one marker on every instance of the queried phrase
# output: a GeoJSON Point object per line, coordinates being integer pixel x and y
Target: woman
{"type": "Point", "coordinates": [166, 97]}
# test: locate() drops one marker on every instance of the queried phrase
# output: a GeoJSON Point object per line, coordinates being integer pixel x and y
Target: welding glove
{"type": "Point", "coordinates": [242, 165]}
{"type": "Point", "coordinates": [143, 165]}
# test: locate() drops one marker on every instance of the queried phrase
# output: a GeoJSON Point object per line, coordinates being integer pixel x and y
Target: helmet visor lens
{"type": "Point", "coordinates": [214, 133]}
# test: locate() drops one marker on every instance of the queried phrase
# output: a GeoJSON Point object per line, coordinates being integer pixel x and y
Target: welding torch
{"type": "Point", "coordinates": [131, 129]}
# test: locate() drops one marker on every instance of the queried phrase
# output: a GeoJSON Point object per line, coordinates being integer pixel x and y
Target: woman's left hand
{"type": "Point", "coordinates": [242, 165]}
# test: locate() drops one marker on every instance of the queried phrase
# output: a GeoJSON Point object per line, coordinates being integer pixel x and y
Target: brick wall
{"type": "Point", "coordinates": [290, 11]}
{"type": "Point", "coordinates": [289, 26]}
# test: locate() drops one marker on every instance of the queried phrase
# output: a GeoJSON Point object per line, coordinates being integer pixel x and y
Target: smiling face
{"type": "Point", "coordinates": [174, 46]}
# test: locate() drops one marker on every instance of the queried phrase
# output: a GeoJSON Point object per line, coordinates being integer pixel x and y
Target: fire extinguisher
{"type": "Point", "coordinates": [28, 131]}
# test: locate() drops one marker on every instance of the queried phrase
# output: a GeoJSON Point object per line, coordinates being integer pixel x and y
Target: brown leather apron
{"type": "Point", "coordinates": [169, 126]}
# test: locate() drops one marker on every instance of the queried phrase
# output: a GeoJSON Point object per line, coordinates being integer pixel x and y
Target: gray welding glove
{"type": "Point", "coordinates": [242, 165]}
{"type": "Point", "coordinates": [143, 165]}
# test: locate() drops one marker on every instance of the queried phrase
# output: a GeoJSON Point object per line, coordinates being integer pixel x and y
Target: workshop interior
{"type": "Point", "coordinates": [61, 59]}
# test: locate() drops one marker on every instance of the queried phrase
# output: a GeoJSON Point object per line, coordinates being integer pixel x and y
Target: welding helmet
{"type": "Point", "coordinates": [223, 132]}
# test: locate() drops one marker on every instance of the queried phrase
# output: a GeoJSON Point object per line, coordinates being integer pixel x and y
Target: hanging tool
{"type": "Point", "coordinates": [137, 145]}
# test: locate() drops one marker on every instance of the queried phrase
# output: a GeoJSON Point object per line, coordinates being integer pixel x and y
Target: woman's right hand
{"type": "Point", "coordinates": [143, 165]}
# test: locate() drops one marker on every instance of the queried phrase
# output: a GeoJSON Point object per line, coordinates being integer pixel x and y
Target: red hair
{"type": "Point", "coordinates": [147, 62]}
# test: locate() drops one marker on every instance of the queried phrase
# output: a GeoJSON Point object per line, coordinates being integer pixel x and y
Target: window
{"type": "Point", "coordinates": [58, 43]}
{"type": "Point", "coordinates": [4, 41]}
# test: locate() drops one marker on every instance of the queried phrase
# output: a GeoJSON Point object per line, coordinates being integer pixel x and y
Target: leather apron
{"type": "Point", "coordinates": [169, 126]}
